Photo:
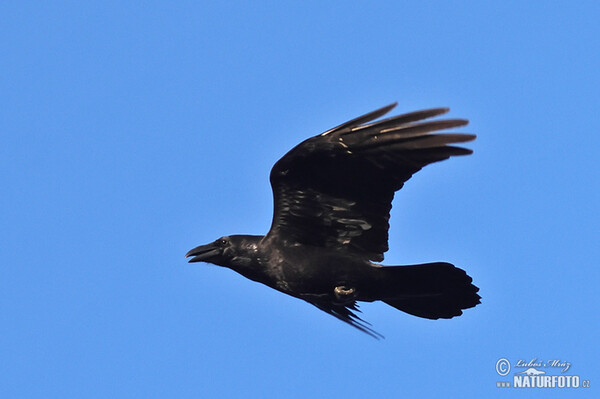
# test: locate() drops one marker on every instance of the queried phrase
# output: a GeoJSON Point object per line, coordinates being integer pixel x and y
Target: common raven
{"type": "Point", "coordinates": [332, 198]}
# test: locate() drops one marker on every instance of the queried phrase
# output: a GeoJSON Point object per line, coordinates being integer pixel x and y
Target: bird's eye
{"type": "Point", "coordinates": [222, 241]}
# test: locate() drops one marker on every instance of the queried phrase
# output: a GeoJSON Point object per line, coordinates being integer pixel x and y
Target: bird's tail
{"type": "Point", "coordinates": [431, 290]}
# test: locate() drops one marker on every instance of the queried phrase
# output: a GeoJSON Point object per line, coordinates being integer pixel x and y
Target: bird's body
{"type": "Point", "coordinates": [332, 198]}
{"type": "Point", "coordinates": [290, 269]}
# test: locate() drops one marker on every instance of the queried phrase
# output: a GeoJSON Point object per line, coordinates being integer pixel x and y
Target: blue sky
{"type": "Point", "coordinates": [132, 132]}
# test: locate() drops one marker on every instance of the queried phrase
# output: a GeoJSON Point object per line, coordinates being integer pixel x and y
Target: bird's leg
{"type": "Point", "coordinates": [344, 293]}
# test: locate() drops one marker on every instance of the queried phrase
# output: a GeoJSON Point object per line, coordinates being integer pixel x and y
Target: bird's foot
{"type": "Point", "coordinates": [344, 293]}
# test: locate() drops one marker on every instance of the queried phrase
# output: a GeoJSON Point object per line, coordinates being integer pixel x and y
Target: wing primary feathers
{"type": "Point", "coordinates": [404, 119]}
{"type": "Point", "coordinates": [438, 140]}
{"type": "Point", "coordinates": [452, 150]}
{"type": "Point", "coordinates": [427, 127]}
{"type": "Point", "coordinates": [362, 119]}
{"type": "Point", "coordinates": [345, 314]}
{"type": "Point", "coordinates": [400, 141]}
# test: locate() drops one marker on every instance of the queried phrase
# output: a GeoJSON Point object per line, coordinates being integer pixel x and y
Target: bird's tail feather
{"type": "Point", "coordinates": [432, 290]}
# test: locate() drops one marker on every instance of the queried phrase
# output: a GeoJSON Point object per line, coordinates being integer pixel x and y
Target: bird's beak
{"type": "Point", "coordinates": [203, 253]}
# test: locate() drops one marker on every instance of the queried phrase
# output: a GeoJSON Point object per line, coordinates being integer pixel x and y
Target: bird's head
{"type": "Point", "coordinates": [226, 251]}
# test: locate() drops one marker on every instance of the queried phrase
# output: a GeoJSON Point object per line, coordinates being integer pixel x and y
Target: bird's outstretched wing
{"type": "Point", "coordinates": [335, 190]}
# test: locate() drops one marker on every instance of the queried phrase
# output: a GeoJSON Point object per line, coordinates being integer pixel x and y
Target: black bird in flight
{"type": "Point", "coordinates": [332, 198]}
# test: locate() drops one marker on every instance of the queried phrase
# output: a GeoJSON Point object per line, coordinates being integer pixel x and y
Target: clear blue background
{"type": "Point", "coordinates": [134, 131]}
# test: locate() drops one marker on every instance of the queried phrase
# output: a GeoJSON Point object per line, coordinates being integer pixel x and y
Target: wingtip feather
{"type": "Point", "coordinates": [378, 113]}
